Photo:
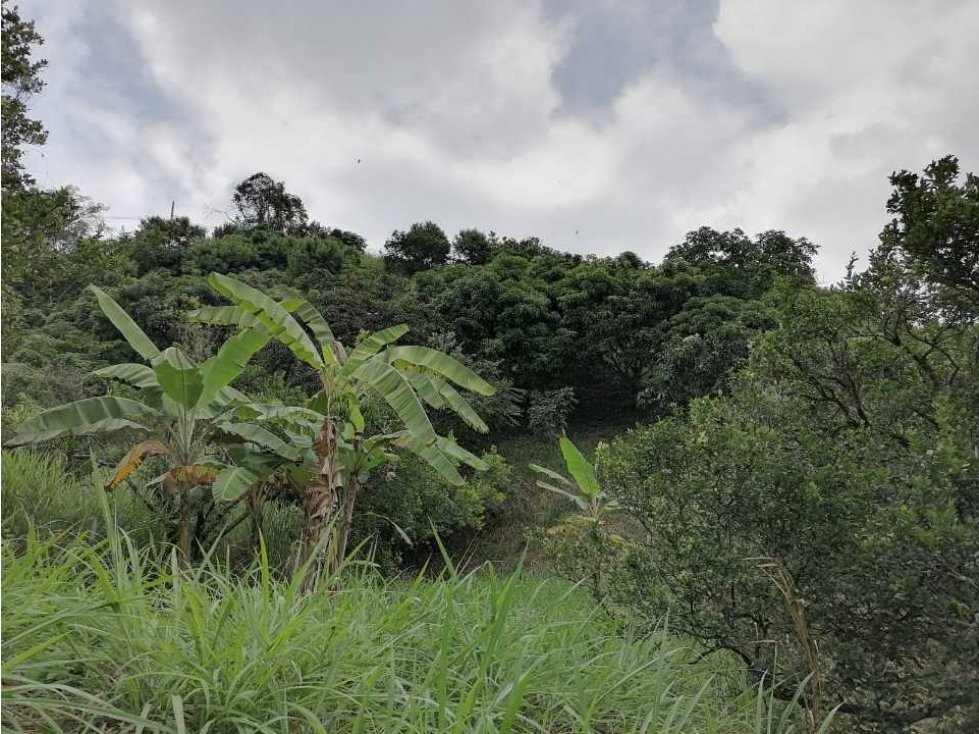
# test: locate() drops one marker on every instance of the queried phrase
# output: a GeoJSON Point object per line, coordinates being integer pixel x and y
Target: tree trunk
{"type": "Point", "coordinates": [320, 503]}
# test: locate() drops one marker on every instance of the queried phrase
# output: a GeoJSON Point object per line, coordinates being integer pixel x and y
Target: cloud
{"type": "Point", "coordinates": [599, 127]}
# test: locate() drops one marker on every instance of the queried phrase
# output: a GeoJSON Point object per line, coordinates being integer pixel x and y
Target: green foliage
{"type": "Point", "coordinates": [549, 410]}
{"type": "Point", "coordinates": [807, 503]}
{"type": "Point", "coordinates": [834, 457]}
{"type": "Point", "coordinates": [162, 244]}
{"type": "Point", "coordinates": [264, 203]}
{"type": "Point", "coordinates": [100, 636]}
{"type": "Point", "coordinates": [340, 453]}
{"type": "Point", "coordinates": [401, 510]}
{"type": "Point", "coordinates": [41, 493]}
{"type": "Point", "coordinates": [21, 79]}
{"type": "Point", "coordinates": [422, 247]}
{"type": "Point", "coordinates": [936, 226]}
{"type": "Point", "coordinates": [737, 265]}
{"type": "Point", "coordinates": [703, 344]}
{"type": "Point", "coordinates": [582, 546]}
{"type": "Point", "coordinates": [51, 241]}
{"type": "Point", "coordinates": [181, 400]}
{"type": "Point", "coordinates": [473, 247]}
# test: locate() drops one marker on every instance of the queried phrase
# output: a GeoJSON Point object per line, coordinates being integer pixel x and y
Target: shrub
{"type": "Point", "coordinates": [550, 409]}
{"type": "Point", "coordinates": [406, 509]}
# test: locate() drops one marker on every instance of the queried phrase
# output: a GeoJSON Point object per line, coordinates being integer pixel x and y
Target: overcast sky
{"type": "Point", "coordinates": [598, 125]}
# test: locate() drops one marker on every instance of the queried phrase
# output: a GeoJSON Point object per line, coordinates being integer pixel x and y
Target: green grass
{"type": "Point", "coordinates": [98, 637]}
{"type": "Point", "coordinates": [101, 632]}
{"type": "Point", "coordinates": [38, 488]}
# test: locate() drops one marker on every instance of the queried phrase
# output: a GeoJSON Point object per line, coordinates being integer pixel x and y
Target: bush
{"type": "Point", "coordinates": [549, 410]}
{"type": "Point", "coordinates": [407, 509]}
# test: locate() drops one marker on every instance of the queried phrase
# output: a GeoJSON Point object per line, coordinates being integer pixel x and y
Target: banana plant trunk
{"type": "Point", "coordinates": [186, 535]}
{"type": "Point", "coordinates": [320, 504]}
{"type": "Point", "coordinates": [346, 520]}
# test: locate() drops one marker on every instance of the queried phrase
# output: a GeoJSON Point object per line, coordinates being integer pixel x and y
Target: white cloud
{"type": "Point", "coordinates": [866, 88]}
{"type": "Point", "coordinates": [454, 115]}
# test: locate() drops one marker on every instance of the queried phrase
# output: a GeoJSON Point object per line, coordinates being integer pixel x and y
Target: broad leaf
{"type": "Point", "coordinates": [580, 468]}
{"type": "Point", "coordinates": [392, 386]}
{"type": "Point", "coordinates": [272, 413]}
{"type": "Point", "coordinates": [371, 346]}
{"type": "Point", "coordinates": [225, 316]}
{"type": "Point", "coordinates": [309, 315]}
{"type": "Point", "coordinates": [234, 481]}
{"type": "Point", "coordinates": [581, 502]}
{"type": "Point", "coordinates": [459, 405]}
{"type": "Point", "coordinates": [279, 322]}
{"type": "Point", "coordinates": [190, 475]}
{"type": "Point", "coordinates": [454, 451]}
{"type": "Point", "coordinates": [263, 437]}
{"type": "Point", "coordinates": [132, 461]}
{"type": "Point", "coordinates": [422, 385]}
{"type": "Point", "coordinates": [79, 417]}
{"type": "Point", "coordinates": [552, 475]}
{"type": "Point", "coordinates": [137, 339]}
{"type": "Point", "coordinates": [441, 364]}
{"type": "Point", "coordinates": [224, 367]}
{"type": "Point", "coordinates": [132, 373]}
{"type": "Point", "coordinates": [435, 458]}
{"type": "Point", "coordinates": [179, 377]}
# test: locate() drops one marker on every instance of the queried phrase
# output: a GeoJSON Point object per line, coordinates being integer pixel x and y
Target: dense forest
{"type": "Point", "coordinates": [762, 488]}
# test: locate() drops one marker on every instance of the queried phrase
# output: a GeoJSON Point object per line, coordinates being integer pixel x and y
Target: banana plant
{"type": "Point", "coordinates": [583, 488]}
{"type": "Point", "coordinates": [341, 457]}
{"type": "Point", "coordinates": [180, 405]}
{"type": "Point", "coordinates": [588, 527]}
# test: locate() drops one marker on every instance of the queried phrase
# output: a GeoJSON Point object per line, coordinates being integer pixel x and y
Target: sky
{"type": "Point", "coordinates": [597, 125]}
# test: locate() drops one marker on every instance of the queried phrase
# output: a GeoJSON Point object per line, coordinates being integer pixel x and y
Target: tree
{"type": "Point", "coordinates": [502, 312]}
{"type": "Point", "coordinates": [41, 229]}
{"type": "Point", "coordinates": [405, 378]}
{"type": "Point", "coordinates": [265, 204]}
{"type": "Point", "coordinates": [181, 402]}
{"type": "Point", "coordinates": [473, 247]}
{"type": "Point", "coordinates": [162, 243]}
{"type": "Point", "coordinates": [708, 340]}
{"type": "Point", "coordinates": [821, 520]}
{"type": "Point", "coordinates": [737, 265]}
{"type": "Point", "coordinates": [422, 247]}
{"type": "Point", "coordinates": [936, 226]}
{"type": "Point", "coordinates": [21, 79]}
{"type": "Point", "coordinates": [350, 239]}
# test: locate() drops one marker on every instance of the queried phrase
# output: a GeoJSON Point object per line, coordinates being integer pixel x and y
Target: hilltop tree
{"type": "Point", "coordinates": [738, 265]}
{"type": "Point", "coordinates": [160, 243]}
{"type": "Point", "coordinates": [473, 247]}
{"type": "Point", "coordinates": [936, 225]}
{"type": "Point", "coordinates": [422, 247]}
{"type": "Point", "coordinates": [264, 203]}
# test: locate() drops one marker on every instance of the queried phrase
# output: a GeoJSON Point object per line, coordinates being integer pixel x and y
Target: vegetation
{"type": "Point", "coordinates": [96, 636]}
{"type": "Point", "coordinates": [769, 510]}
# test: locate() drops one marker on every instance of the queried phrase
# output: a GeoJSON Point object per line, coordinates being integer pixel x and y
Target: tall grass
{"type": "Point", "coordinates": [99, 637]}
{"type": "Point", "coordinates": [38, 488]}
{"type": "Point", "coordinates": [102, 632]}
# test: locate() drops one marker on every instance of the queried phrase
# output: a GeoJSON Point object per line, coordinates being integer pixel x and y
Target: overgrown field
{"type": "Point", "coordinates": [99, 637]}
